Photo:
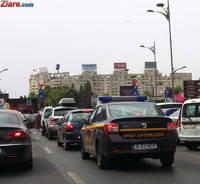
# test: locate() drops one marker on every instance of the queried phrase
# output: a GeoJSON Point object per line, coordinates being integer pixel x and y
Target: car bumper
{"type": "Point", "coordinates": [73, 138]}
{"type": "Point", "coordinates": [189, 138]}
{"type": "Point", "coordinates": [15, 152]}
{"type": "Point", "coordinates": [118, 146]}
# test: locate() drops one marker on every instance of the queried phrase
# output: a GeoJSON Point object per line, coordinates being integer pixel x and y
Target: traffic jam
{"type": "Point", "coordinates": [117, 128]}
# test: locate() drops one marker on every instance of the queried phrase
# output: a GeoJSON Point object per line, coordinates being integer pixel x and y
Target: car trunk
{"type": "Point", "coordinates": [142, 127]}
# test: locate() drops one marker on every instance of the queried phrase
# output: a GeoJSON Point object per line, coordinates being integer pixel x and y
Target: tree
{"type": "Point", "coordinates": [147, 93]}
{"type": "Point", "coordinates": [32, 95]}
{"type": "Point", "coordinates": [178, 89]}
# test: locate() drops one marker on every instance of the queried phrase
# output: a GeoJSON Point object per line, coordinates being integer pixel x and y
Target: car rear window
{"type": "Point", "coordinates": [6, 118]}
{"type": "Point", "coordinates": [60, 112]}
{"type": "Point", "coordinates": [191, 110]}
{"type": "Point", "coordinates": [80, 116]}
{"type": "Point", "coordinates": [134, 109]}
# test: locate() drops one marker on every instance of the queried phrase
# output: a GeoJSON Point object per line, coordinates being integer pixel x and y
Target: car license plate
{"type": "Point", "coordinates": [187, 126]}
{"type": "Point", "coordinates": [145, 146]}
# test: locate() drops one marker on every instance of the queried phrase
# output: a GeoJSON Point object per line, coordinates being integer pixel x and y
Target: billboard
{"type": "Point", "coordinates": [120, 66]}
{"type": "Point", "coordinates": [126, 90]}
{"type": "Point", "coordinates": [150, 65]}
{"type": "Point", "coordinates": [191, 89]}
{"type": "Point", "coordinates": [43, 69]}
{"type": "Point", "coordinates": [89, 67]}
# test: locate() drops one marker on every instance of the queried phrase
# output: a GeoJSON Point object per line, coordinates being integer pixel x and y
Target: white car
{"type": "Point", "coordinates": [189, 131]}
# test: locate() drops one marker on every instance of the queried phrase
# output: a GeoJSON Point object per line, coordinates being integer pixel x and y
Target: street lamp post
{"type": "Point", "coordinates": [166, 13]}
{"type": "Point", "coordinates": [3, 70]}
{"type": "Point", "coordinates": [179, 69]}
{"type": "Point", "coordinates": [153, 49]}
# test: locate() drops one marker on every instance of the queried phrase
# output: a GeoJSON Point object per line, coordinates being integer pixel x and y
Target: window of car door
{"type": "Point", "coordinates": [92, 116]}
{"type": "Point", "coordinates": [100, 114]}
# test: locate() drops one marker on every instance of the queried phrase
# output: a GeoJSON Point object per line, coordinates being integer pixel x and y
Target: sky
{"type": "Point", "coordinates": [76, 32]}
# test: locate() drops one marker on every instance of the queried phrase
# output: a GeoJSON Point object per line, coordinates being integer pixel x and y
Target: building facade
{"type": "Point", "coordinates": [110, 83]}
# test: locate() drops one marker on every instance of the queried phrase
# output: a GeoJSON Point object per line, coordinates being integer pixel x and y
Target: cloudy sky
{"type": "Point", "coordinates": [76, 32]}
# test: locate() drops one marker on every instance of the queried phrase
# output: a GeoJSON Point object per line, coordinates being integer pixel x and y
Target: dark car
{"type": "Point", "coordinates": [68, 133]}
{"type": "Point", "coordinates": [52, 119]}
{"type": "Point", "coordinates": [15, 140]}
{"type": "Point", "coordinates": [124, 127]}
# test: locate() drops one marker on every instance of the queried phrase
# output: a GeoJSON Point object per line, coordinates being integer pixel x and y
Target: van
{"type": "Point", "coordinates": [189, 130]}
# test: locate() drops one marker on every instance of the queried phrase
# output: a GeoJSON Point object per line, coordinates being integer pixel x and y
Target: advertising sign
{"type": "Point", "coordinates": [126, 90]}
{"type": "Point", "coordinates": [191, 89]}
{"type": "Point", "coordinates": [119, 66]}
{"type": "Point", "coordinates": [89, 67]}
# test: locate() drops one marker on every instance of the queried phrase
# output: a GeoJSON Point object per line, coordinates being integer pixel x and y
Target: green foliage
{"type": "Point", "coordinates": [147, 93]}
{"type": "Point", "coordinates": [32, 95]}
{"type": "Point", "coordinates": [178, 89]}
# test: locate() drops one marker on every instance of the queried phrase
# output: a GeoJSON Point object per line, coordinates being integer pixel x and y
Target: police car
{"type": "Point", "coordinates": [128, 127]}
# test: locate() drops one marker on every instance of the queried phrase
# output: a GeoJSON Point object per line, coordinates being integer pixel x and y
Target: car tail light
{"type": "Point", "coordinates": [53, 120]}
{"type": "Point", "coordinates": [86, 111]}
{"type": "Point", "coordinates": [69, 127]}
{"type": "Point", "coordinates": [178, 123]}
{"type": "Point", "coordinates": [15, 134]}
{"type": "Point", "coordinates": [171, 127]}
{"type": "Point", "coordinates": [111, 128]}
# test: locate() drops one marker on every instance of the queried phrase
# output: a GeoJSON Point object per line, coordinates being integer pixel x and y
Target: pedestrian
{"type": "Point", "coordinates": [37, 122]}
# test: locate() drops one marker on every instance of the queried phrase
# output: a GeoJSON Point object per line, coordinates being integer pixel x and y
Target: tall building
{"type": "Point", "coordinates": [108, 83]}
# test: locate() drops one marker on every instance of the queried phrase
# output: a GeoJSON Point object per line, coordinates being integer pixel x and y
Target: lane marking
{"type": "Point", "coordinates": [75, 178]}
{"type": "Point", "coordinates": [37, 138]}
{"type": "Point", "coordinates": [48, 150]}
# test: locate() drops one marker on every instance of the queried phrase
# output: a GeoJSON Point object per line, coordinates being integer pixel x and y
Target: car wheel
{"type": "Point", "coordinates": [49, 136]}
{"type": "Point", "coordinates": [58, 141]}
{"type": "Point", "coordinates": [102, 160]}
{"type": "Point", "coordinates": [28, 164]}
{"type": "Point", "coordinates": [67, 145]}
{"type": "Point", "coordinates": [43, 131]}
{"type": "Point", "coordinates": [84, 155]}
{"type": "Point", "coordinates": [191, 146]}
{"type": "Point", "coordinates": [167, 160]}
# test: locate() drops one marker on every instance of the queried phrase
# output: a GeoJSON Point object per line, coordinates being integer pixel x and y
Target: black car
{"type": "Point", "coordinates": [124, 127]}
{"type": "Point", "coordinates": [68, 132]}
{"type": "Point", "coordinates": [15, 140]}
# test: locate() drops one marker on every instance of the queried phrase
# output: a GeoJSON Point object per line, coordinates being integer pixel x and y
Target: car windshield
{"type": "Point", "coordinates": [191, 110]}
{"type": "Point", "coordinates": [80, 116]}
{"type": "Point", "coordinates": [6, 118]}
{"type": "Point", "coordinates": [175, 114]}
{"type": "Point", "coordinates": [134, 109]}
{"type": "Point", "coordinates": [60, 112]}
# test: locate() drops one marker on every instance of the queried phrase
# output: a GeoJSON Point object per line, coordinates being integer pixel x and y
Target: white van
{"type": "Point", "coordinates": [189, 130]}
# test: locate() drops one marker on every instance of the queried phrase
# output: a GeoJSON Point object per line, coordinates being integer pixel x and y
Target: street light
{"type": "Point", "coordinates": [179, 69]}
{"type": "Point", "coordinates": [166, 13]}
{"type": "Point", "coordinates": [3, 70]}
{"type": "Point", "coordinates": [153, 49]}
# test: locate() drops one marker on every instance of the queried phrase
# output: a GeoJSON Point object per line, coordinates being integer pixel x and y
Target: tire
{"type": "Point", "coordinates": [58, 142]}
{"type": "Point", "coordinates": [43, 131]}
{"type": "Point", "coordinates": [28, 165]}
{"type": "Point", "coordinates": [84, 155]}
{"type": "Point", "coordinates": [192, 146]}
{"type": "Point", "coordinates": [49, 136]}
{"type": "Point", "coordinates": [102, 160]}
{"type": "Point", "coordinates": [167, 160]}
{"type": "Point", "coordinates": [67, 145]}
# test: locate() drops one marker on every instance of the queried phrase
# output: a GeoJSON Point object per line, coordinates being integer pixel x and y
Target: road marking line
{"type": "Point", "coordinates": [34, 132]}
{"type": "Point", "coordinates": [76, 178]}
{"type": "Point", "coordinates": [48, 150]}
{"type": "Point", "coordinates": [37, 138]}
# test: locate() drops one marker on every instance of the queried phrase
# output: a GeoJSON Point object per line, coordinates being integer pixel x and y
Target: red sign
{"type": "Point", "coordinates": [134, 82]}
{"type": "Point", "coordinates": [119, 65]}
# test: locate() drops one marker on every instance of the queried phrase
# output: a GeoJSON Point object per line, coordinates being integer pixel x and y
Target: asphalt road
{"type": "Point", "coordinates": [54, 165]}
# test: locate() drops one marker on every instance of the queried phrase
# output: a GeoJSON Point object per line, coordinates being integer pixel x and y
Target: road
{"type": "Point", "coordinates": [54, 165]}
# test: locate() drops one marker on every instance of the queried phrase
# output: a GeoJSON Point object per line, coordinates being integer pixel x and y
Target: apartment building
{"type": "Point", "coordinates": [109, 83]}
